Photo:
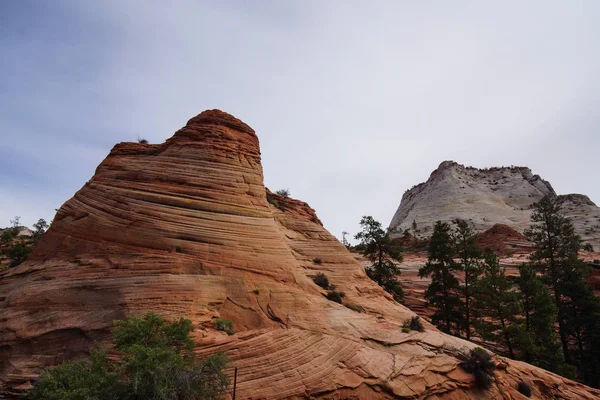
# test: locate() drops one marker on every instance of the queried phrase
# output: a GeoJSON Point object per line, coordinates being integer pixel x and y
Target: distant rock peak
{"type": "Point", "coordinates": [488, 196]}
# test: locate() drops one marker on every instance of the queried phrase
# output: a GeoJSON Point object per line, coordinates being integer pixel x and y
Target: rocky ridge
{"type": "Point", "coordinates": [486, 197]}
{"type": "Point", "coordinates": [185, 229]}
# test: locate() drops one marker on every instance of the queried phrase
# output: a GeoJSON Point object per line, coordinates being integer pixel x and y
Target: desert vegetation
{"type": "Point", "coordinates": [547, 316]}
{"type": "Point", "coordinates": [14, 247]}
{"type": "Point", "coordinates": [152, 359]}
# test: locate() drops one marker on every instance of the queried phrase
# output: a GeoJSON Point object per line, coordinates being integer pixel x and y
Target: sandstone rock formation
{"type": "Point", "coordinates": [487, 197]}
{"type": "Point", "coordinates": [184, 228]}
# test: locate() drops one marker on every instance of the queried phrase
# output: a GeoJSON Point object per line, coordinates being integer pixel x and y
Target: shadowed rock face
{"type": "Point", "coordinates": [184, 228]}
{"type": "Point", "coordinates": [486, 197]}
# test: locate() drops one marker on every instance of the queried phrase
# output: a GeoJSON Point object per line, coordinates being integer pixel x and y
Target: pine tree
{"type": "Point", "coordinates": [538, 343]}
{"type": "Point", "coordinates": [469, 255]}
{"type": "Point", "coordinates": [556, 247]}
{"type": "Point", "coordinates": [497, 305]}
{"type": "Point", "coordinates": [377, 246]}
{"type": "Point", "coordinates": [582, 323]}
{"type": "Point", "coordinates": [443, 291]}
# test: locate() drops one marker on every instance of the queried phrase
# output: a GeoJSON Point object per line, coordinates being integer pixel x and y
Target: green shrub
{"type": "Point", "coordinates": [414, 324]}
{"type": "Point", "coordinates": [141, 140]}
{"type": "Point", "coordinates": [356, 307]}
{"type": "Point", "coordinates": [482, 367]}
{"type": "Point", "coordinates": [273, 201]}
{"type": "Point", "coordinates": [155, 361]}
{"type": "Point", "coordinates": [335, 296]}
{"type": "Point", "coordinates": [524, 389]}
{"type": "Point", "coordinates": [178, 249]}
{"type": "Point", "coordinates": [588, 247]}
{"type": "Point", "coordinates": [283, 192]}
{"type": "Point", "coordinates": [405, 329]}
{"type": "Point", "coordinates": [256, 291]}
{"type": "Point", "coordinates": [317, 261]}
{"type": "Point", "coordinates": [321, 280]}
{"type": "Point", "coordinates": [18, 253]}
{"type": "Point", "coordinates": [225, 325]}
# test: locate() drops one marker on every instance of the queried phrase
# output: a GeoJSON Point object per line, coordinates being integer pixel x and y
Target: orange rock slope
{"type": "Point", "coordinates": [184, 228]}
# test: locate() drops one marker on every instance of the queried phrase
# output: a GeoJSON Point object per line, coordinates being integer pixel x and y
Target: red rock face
{"type": "Point", "coordinates": [184, 228]}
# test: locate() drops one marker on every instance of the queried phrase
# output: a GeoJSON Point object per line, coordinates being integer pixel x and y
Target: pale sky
{"type": "Point", "coordinates": [353, 102]}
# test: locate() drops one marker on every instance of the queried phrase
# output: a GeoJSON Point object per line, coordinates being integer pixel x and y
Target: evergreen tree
{"type": "Point", "coordinates": [377, 246]}
{"type": "Point", "coordinates": [497, 305]}
{"type": "Point", "coordinates": [582, 323]}
{"type": "Point", "coordinates": [538, 343]}
{"type": "Point", "coordinates": [469, 255]}
{"type": "Point", "coordinates": [556, 248]}
{"type": "Point", "coordinates": [443, 292]}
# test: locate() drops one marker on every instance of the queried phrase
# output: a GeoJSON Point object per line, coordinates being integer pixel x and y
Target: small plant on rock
{"type": "Point", "coordinates": [482, 367]}
{"type": "Point", "coordinates": [317, 261]}
{"type": "Point", "coordinates": [413, 324]}
{"type": "Point", "coordinates": [524, 389]}
{"type": "Point", "coordinates": [283, 192]}
{"type": "Point", "coordinates": [356, 307]}
{"type": "Point", "coordinates": [335, 296]}
{"type": "Point", "coordinates": [321, 280]}
{"type": "Point", "coordinates": [225, 325]}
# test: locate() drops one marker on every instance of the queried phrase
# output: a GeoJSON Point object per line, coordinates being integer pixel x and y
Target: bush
{"type": "Point", "coordinates": [178, 249]}
{"type": "Point", "coordinates": [480, 364]}
{"type": "Point", "coordinates": [317, 261]}
{"type": "Point", "coordinates": [335, 296]}
{"type": "Point", "coordinates": [141, 140]}
{"type": "Point", "coordinates": [155, 361]}
{"type": "Point", "coordinates": [321, 280]}
{"type": "Point", "coordinates": [588, 247]}
{"type": "Point", "coordinates": [283, 192]}
{"type": "Point", "coordinates": [524, 389]}
{"type": "Point", "coordinates": [256, 291]}
{"type": "Point", "coordinates": [225, 325]}
{"type": "Point", "coordinates": [356, 307]}
{"type": "Point", "coordinates": [414, 324]}
{"type": "Point", "coordinates": [405, 329]}
{"type": "Point", "coordinates": [18, 253]}
{"type": "Point", "coordinates": [273, 201]}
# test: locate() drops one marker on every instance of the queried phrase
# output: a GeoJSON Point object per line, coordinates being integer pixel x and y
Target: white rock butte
{"type": "Point", "coordinates": [487, 197]}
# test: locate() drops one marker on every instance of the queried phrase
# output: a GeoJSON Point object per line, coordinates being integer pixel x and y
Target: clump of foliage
{"type": "Point", "coordinates": [155, 360]}
{"type": "Point", "coordinates": [480, 364]}
{"type": "Point", "coordinates": [283, 192]}
{"type": "Point", "coordinates": [377, 246]}
{"type": "Point", "coordinates": [336, 296]}
{"type": "Point", "coordinates": [18, 253]}
{"type": "Point", "coordinates": [321, 280]}
{"type": "Point", "coordinates": [317, 261]}
{"type": "Point", "coordinates": [413, 324]}
{"type": "Point", "coordinates": [356, 307]}
{"type": "Point", "coordinates": [256, 291]}
{"type": "Point", "coordinates": [225, 325]}
{"type": "Point", "coordinates": [141, 140]}
{"type": "Point", "coordinates": [524, 389]}
{"type": "Point", "coordinates": [588, 247]}
{"type": "Point", "coordinates": [273, 201]}
{"type": "Point", "coordinates": [406, 329]}
{"type": "Point", "coordinates": [178, 249]}
{"type": "Point", "coordinates": [39, 228]}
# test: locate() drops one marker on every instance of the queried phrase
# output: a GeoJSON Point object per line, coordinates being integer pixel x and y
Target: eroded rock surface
{"type": "Point", "coordinates": [184, 228]}
{"type": "Point", "coordinates": [486, 197]}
